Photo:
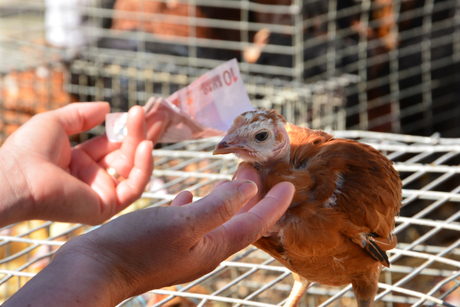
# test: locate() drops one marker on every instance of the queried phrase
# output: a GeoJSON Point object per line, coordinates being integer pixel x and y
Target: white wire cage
{"type": "Point", "coordinates": [405, 52]}
{"type": "Point", "coordinates": [424, 267]}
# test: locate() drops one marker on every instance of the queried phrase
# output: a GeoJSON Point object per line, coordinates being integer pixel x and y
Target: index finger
{"type": "Point", "coordinates": [99, 147]}
{"type": "Point", "coordinates": [248, 172]}
{"type": "Point", "coordinates": [136, 133]}
{"type": "Point", "coordinates": [220, 205]}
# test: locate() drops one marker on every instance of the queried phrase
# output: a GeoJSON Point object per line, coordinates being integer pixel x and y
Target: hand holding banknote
{"type": "Point", "coordinates": [205, 108]}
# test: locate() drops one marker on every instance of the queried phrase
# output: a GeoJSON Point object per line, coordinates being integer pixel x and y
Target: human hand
{"type": "Point", "coordinates": [157, 247]}
{"type": "Point", "coordinates": [47, 179]}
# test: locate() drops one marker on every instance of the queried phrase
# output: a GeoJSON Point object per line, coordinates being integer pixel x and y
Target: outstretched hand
{"type": "Point", "coordinates": [47, 179]}
{"type": "Point", "coordinates": [157, 247]}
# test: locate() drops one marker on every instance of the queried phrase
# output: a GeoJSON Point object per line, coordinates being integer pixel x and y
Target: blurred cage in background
{"type": "Point", "coordinates": [127, 82]}
{"type": "Point", "coordinates": [404, 56]}
{"type": "Point", "coordinates": [424, 267]}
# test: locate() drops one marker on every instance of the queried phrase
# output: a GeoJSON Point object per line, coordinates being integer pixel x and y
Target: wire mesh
{"type": "Point", "coordinates": [424, 265]}
{"type": "Point", "coordinates": [405, 53]}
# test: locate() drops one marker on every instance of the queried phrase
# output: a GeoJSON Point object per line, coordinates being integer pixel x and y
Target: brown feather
{"type": "Point", "coordinates": [377, 253]}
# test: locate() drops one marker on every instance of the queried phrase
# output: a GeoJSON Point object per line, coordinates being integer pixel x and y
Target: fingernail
{"type": "Point", "coordinates": [248, 189]}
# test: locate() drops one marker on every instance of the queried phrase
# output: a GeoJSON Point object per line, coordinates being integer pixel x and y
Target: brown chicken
{"type": "Point", "coordinates": [342, 216]}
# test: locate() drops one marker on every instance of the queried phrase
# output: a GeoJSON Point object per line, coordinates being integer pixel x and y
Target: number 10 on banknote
{"type": "Point", "coordinates": [204, 108]}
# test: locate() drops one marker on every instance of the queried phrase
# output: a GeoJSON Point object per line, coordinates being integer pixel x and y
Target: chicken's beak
{"type": "Point", "coordinates": [232, 144]}
{"type": "Point", "coordinates": [228, 145]}
{"type": "Point", "coordinates": [223, 148]}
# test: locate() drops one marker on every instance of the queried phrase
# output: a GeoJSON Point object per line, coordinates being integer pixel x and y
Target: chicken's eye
{"type": "Point", "coordinates": [261, 136]}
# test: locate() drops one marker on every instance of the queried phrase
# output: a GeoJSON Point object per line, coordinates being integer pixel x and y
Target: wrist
{"type": "Point", "coordinates": [101, 283]}
{"type": "Point", "coordinates": [75, 277]}
{"type": "Point", "coordinates": [14, 191]}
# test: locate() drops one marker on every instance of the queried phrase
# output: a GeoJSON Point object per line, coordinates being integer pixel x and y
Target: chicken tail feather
{"type": "Point", "coordinates": [379, 255]}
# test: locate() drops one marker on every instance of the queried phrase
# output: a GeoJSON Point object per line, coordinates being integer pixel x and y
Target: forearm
{"type": "Point", "coordinates": [72, 279]}
{"type": "Point", "coordinates": [14, 194]}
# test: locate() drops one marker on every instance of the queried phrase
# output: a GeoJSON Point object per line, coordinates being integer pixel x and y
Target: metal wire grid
{"type": "Point", "coordinates": [409, 86]}
{"type": "Point", "coordinates": [127, 82]}
{"type": "Point", "coordinates": [425, 264]}
{"type": "Point", "coordinates": [406, 53]}
{"type": "Point", "coordinates": [32, 75]}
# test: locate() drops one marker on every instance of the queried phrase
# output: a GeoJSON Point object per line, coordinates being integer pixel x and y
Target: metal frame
{"type": "Point", "coordinates": [424, 266]}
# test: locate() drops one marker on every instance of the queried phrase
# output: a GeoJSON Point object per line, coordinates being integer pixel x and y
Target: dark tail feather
{"type": "Point", "coordinates": [376, 253]}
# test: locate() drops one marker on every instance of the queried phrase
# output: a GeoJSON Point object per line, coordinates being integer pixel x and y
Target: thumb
{"type": "Point", "coordinates": [248, 227]}
{"type": "Point", "coordinates": [79, 117]}
{"type": "Point", "coordinates": [220, 205]}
